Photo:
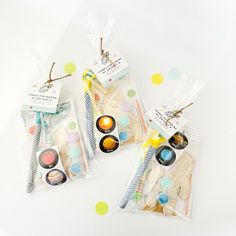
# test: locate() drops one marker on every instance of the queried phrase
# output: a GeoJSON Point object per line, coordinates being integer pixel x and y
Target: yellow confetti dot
{"type": "Point", "coordinates": [101, 208]}
{"type": "Point", "coordinates": [70, 68]}
{"type": "Point", "coordinates": [157, 79]}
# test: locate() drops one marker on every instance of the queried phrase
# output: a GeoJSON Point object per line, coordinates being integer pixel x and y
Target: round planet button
{"type": "Point", "coordinates": [178, 141]}
{"type": "Point", "coordinates": [105, 124]}
{"type": "Point", "coordinates": [109, 143]}
{"type": "Point", "coordinates": [165, 155]}
{"type": "Point", "coordinates": [48, 158]}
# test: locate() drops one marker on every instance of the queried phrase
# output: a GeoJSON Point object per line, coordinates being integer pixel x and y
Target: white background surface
{"type": "Point", "coordinates": [197, 37]}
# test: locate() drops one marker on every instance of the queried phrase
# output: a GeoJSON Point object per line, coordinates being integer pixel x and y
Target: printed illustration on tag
{"type": "Point", "coordinates": [43, 97]}
{"type": "Point", "coordinates": [109, 67]}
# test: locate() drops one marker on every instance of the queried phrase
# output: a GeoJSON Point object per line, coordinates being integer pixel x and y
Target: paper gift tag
{"type": "Point", "coordinates": [43, 97]}
{"type": "Point", "coordinates": [108, 71]}
{"type": "Point", "coordinates": [159, 115]}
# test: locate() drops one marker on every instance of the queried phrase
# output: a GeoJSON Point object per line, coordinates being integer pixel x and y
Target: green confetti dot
{"type": "Point", "coordinates": [71, 125]}
{"type": "Point", "coordinates": [131, 93]}
{"type": "Point", "coordinates": [70, 68]}
{"type": "Point", "coordinates": [101, 208]}
{"type": "Point", "coordinates": [137, 197]}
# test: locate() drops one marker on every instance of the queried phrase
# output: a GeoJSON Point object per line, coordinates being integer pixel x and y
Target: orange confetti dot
{"type": "Point", "coordinates": [32, 130]}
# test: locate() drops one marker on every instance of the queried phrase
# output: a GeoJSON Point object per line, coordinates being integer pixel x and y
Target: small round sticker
{"type": "Point", "coordinates": [101, 208]}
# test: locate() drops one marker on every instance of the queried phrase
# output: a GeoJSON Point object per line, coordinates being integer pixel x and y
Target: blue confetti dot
{"type": "Point", "coordinates": [75, 168]}
{"type": "Point", "coordinates": [74, 152]}
{"type": "Point", "coordinates": [173, 74]}
{"type": "Point", "coordinates": [124, 121]}
{"type": "Point", "coordinates": [166, 182]}
{"type": "Point", "coordinates": [163, 198]}
{"type": "Point", "coordinates": [123, 136]}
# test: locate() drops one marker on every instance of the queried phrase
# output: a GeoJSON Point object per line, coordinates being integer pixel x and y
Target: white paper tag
{"type": "Point", "coordinates": [158, 117]}
{"type": "Point", "coordinates": [108, 72]}
{"type": "Point", "coordinates": [43, 97]}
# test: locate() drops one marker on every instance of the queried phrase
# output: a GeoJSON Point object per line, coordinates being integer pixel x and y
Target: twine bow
{"type": "Point", "coordinates": [105, 55]}
{"type": "Point", "coordinates": [176, 113]}
{"type": "Point", "coordinates": [50, 80]}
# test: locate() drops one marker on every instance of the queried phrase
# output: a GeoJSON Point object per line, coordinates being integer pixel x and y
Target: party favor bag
{"type": "Point", "coordinates": [113, 111]}
{"type": "Point", "coordinates": [58, 154]}
{"type": "Point", "coordinates": [162, 181]}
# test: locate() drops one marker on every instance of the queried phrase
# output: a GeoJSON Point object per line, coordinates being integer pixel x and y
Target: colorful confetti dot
{"type": "Point", "coordinates": [101, 208]}
{"type": "Point", "coordinates": [163, 198]}
{"type": "Point", "coordinates": [123, 136]}
{"type": "Point", "coordinates": [97, 97]}
{"type": "Point", "coordinates": [70, 68]}
{"type": "Point", "coordinates": [38, 175]}
{"type": "Point", "coordinates": [74, 153]}
{"type": "Point", "coordinates": [72, 145]}
{"type": "Point", "coordinates": [165, 182]}
{"type": "Point", "coordinates": [137, 196]}
{"type": "Point", "coordinates": [131, 93]}
{"type": "Point", "coordinates": [32, 130]}
{"type": "Point", "coordinates": [173, 74]}
{"type": "Point", "coordinates": [157, 79]}
{"type": "Point", "coordinates": [125, 106]}
{"type": "Point", "coordinates": [75, 168]}
{"type": "Point", "coordinates": [123, 121]}
{"type": "Point", "coordinates": [71, 125]}
{"type": "Point", "coordinates": [72, 137]}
